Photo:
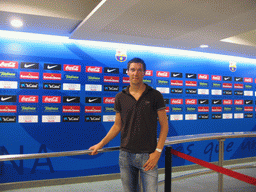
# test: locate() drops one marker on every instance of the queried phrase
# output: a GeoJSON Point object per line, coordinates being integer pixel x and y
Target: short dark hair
{"type": "Point", "coordinates": [136, 60]}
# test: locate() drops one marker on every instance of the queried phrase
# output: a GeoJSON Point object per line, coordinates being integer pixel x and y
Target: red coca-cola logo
{"type": "Point", "coordinates": [162, 74]}
{"type": "Point", "coordinates": [191, 101]}
{"type": "Point", "coordinates": [92, 69]}
{"type": "Point", "coordinates": [92, 109]}
{"type": "Point", "coordinates": [248, 80]}
{"type": "Point", "coordinates": [216, 77]}
{"type": "Point", "coordinates": [227, 102]}
{"type": "Point", "coordinates": [167, 109]}
{"type": "Point", "coordinates": [28, 99]}
{"type": "Point", "coordinates": [9, 64]}
{"type": "Point", "coordinates": [149, 73]}
{"type": "Point", "coordinates": [109, 100]}
{"type": "Point", "coordinates": [176, 101]}
{"type": "Point", "coordinates": [51, 99]}
{"type": "Point", "coordinates": [239, 102]}
{"type": "Point", "coordinates": [203, 76]}
{"type": "Point", "coordinates": [73, 68]}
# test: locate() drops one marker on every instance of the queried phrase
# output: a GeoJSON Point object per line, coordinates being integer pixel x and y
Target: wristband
{"type": "Point", "coordinates": [159, 150]}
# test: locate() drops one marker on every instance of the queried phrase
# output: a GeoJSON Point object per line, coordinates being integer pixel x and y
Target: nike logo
{"type": "Point", "coordinates": [50, 67]}
{"type": "Point", "coordinates": [203, 101]}
{"type": "Point", "coordinates": [215, 102]}
{"type": "Point", "coordinates": [6, 98]}
{"type": "Point", "coordinates": [247, 102]}
{"type": "Point", "coordinates": [91, 100]}
{"type": "Point", "coordinates": [110, 70]}
{"type": "Point", "coordinates": [175, 75]}
{"type": "Point", "coordinates": [28, 65]}
{"type": "Point", "coordinates": [190, 76]}
{"type": "Point", "coordinates": [226, 78]}
{"type": "Point", "coordinates": [68, 100]}
{"type": "Point", "coordinates": [237, 79]}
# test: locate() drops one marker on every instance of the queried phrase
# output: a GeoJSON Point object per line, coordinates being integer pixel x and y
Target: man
{"type": "Point", "coordinates": [137, 108]}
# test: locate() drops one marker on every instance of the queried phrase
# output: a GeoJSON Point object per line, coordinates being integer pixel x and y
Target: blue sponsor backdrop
{"type": "Point", "coordinates": [180, 67]}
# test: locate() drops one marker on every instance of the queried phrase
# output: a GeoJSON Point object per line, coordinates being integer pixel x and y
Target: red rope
{"type": "Point", "coordinates": [216, 168]}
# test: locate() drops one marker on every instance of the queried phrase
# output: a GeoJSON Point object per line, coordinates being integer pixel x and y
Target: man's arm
{"type": "Point", "coordinates": [154, 157]}
{"type": "Point", "coordinates": [113, 132]}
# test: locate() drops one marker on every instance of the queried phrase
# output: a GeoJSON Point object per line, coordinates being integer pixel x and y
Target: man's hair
{"type": "Point", "coordinates": [136, 60]}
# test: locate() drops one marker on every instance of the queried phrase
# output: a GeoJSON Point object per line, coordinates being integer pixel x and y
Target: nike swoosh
{"type": "Point", "coordinates": [226, 78]}
{"type": "Point", "coordinates": [247, 102]}
{"type": "Point", "coordinates": [28, 65]}
{"type": "Point", "coordinates": [68, 100]}
{"type": "Point", "coordinates": [238, 79]}
{"type": "Point", "coordinates": [203, 101]}
{"type": "Point", "coordinates": [190, 76]}
{"type": "Point", "coordinates": [175, 75]}
{"type": "Point", "coordinates": [50, 67]}
{"type": "Point", "coordinates": [91, 100]}
{"type": "Point", "coordinates": [215, 102]}
{"type": "Point", "coordinates": [6, 98]}
{"type": "Point", "coordinates": [110, 70]}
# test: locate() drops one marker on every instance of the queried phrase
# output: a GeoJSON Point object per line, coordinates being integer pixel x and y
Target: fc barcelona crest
{"type": "Point", "coordinates": [232, 66]}
{"type": "Point", "coordinates": [121, 55]}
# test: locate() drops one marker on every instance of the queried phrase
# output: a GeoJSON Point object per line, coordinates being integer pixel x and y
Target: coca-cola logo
{"type": "Point", "coordinates": [9, 64]}
{"type": "Point", "coordinates": [227, 102]}
{"type": "Point", "coordinates": [238, 102]}
{"type": "Point", "coordinates": [162, 74]}
{"type": "Point", "coordinates": [51, 99]}
{"type": "Point", "coordinates": [28, 99]}
{"type": "Point", "coordinates": [91, 69]}
{"type": "Point", "coordinates": [203, 76]}
{"type": "Point", "coordinates": [216, 77]}
{"type": "Point", "coordinates": [109, 100]}
{"type": "Point", "coordinates": [149, 73]}
{"type": "Point", "coordinates": [248, 80]}
{"type": "Point", "coordinates": [177, 101]}
{"type": "Point", "coordinates": [74, 68]}
{"type": "Point", "coordinates": [191, 101]}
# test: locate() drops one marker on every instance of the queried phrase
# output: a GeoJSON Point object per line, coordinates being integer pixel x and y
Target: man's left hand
{"type": "Point", "coordinates": [152, 161]}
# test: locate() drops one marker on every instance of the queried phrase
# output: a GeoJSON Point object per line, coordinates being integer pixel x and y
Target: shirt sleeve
{"type": "Point", "coordinates": [160, 104]}
{"type": "Point", "coordinates": [117, 106]}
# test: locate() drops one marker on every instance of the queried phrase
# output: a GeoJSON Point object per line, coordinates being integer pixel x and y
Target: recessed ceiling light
{"type": "Point", "coordinates": [204, 46]}
{"type": "Point", "coordinates": [16, 23]}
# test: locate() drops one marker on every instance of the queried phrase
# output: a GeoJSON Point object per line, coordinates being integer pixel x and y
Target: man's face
{"type": "Point", "coordinates": [136, 73]}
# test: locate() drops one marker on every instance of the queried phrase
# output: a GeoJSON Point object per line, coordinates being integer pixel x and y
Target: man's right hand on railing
{"type": "Point", "coordinates": [95, 148]}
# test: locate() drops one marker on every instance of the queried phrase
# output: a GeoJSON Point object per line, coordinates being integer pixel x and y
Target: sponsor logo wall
{"type": "Point", "coordinates": [193, 92]}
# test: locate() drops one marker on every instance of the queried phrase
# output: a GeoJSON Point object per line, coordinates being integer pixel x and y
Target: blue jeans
{"type": "Point", "coordinates": [130, 166]}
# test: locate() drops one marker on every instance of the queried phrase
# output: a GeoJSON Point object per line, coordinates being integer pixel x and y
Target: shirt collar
{"type": "Point", "coordinates": [146, 90]}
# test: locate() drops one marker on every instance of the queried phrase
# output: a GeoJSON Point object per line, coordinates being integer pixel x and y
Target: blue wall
{"type": "Point", "coordinates": [17, 137]}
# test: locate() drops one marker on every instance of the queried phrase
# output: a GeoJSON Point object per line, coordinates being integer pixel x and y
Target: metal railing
{"type": "Point", "coordinates": [221, 137]}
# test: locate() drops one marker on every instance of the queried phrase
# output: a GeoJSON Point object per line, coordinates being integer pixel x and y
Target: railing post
{"type": "Point", "coordinates": [168, 169]}
{"type": "Point", "coordinates": [221, 159]}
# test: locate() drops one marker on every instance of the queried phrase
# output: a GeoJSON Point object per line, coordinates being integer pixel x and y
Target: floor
{"type": "Point", "coordinates": [202, 183]}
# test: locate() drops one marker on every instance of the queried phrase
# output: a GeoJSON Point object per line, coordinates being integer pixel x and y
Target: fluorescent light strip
{"type": "Point", "coordinates": [160, 50]}
{"type": "Point", "coordinates": [33, 36]}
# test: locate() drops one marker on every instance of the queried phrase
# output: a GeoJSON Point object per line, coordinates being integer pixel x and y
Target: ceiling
{"type": "Point", "coordinates": [227, 26]}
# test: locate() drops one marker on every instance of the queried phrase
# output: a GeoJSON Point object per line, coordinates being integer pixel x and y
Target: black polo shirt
{"type": "Point", "coordinates": [139, 119]}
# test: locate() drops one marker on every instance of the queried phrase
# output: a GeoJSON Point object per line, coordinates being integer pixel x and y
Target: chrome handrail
{"type": "Point", "coordinates": [169, 141]}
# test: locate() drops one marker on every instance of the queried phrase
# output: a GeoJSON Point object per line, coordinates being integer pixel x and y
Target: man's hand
{"type": "Point", "coordinates": [95, 148]}
{"type": "Point", "coordinates": [152, 161]}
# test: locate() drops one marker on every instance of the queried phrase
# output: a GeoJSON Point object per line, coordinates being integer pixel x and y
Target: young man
{"type": "Point", "coordinates": [137, 108]}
